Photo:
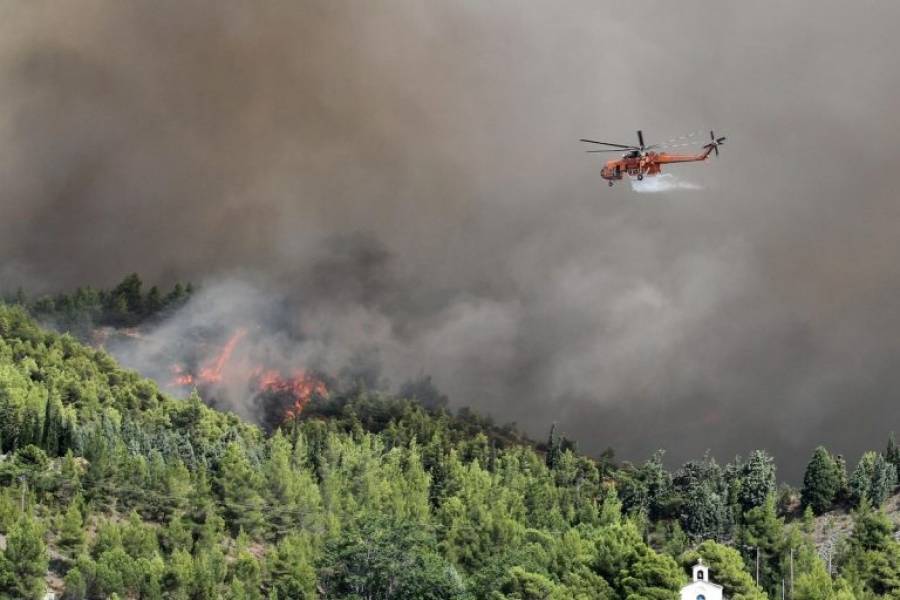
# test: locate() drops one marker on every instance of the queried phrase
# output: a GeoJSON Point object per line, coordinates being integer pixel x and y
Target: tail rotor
{"type": "Point", "coordinates": [714, 142]}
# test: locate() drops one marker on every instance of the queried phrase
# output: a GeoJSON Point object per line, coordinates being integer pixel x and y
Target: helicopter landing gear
{"type": "Point", "coordinates": [640, 176]}
{"type": "Point", "coordinates": [610, 184]}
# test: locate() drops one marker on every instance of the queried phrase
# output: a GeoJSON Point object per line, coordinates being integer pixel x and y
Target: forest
{"type": "Point", "coordinates": [110, 488]}
{"type": "Point", "coordinates": [124, 305]}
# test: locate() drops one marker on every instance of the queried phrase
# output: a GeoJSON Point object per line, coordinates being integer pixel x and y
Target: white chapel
{"type": "Point", "coordinates": [701, 588]}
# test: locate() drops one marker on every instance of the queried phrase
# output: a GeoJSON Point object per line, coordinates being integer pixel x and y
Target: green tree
{"type": "Point", "coordinates": [210, 571]}
{"type": "Point", "coordinates": [843, 488]}
{"type": "Point", "coordinates": [821, 481]}
{"type": "Point", "coordinates": [554, 448]}
{"type": "Point", "coordinates": [237, 483]}
{"type": "Point", "coordinates": [704, 513]}
{"type": "Point", "coordinates": [129, 289]}
{"type": "Point", "coordinates": [26, 558]}
{"type": "Point", "coordinates": [71, 533]}
{"type": "Point", "coordinates": [892, 452]}
{"type": "Point", "coordinates": [291, 565]}
{"type": "Point", "coordinates": [762, 529]}
{"type": "Point", "coordinates": [246, 573]}
{"type": "Point", "coordinates": [872, 560]}
{"type": "Point", "coordinates": [884, 480]}
{"type": "Point", "coordinates": [658, 486]}
{"type": "Point", "coordinates": [154, 302]}
{"type": "Point", "coordinates": [75, 585]}
{"type": "Point", "coordinates": [524, 585]}
{"type": "Point", "coordinates": [631, 567]}
{"type": "Point", "coordinates": [179, 576]}
{"type": "Point", "coordinates": [874, 478]}
{"type": "Point", "coordinates": [812, 581]}
{"type": "Point", "coordinates": [757, 480]}
{"type": "Point", "coordinates": [726, 568]}
{"type": "Point", "coordinates": [388, 560]}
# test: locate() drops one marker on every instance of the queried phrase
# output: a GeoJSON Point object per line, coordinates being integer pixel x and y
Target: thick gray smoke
{"type": "Point", "coordinates": [403, 179]}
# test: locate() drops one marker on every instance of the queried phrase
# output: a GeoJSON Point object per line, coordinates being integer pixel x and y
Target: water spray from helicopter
{"type": "Point", "coordinates": [664, 182]}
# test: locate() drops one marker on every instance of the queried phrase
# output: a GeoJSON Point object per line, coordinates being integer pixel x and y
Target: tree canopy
{"type": "Point", "coordinates": [135, 494]}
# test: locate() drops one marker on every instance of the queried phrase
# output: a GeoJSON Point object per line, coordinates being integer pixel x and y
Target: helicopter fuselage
{"type": "Point", "coordinates": [639, 165]}
{"type": "Point", "coordinates": [638, 161]}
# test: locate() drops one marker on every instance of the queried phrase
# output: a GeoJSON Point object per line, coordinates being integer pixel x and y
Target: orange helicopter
{"type": "Point", "coordinates": [641, 160]}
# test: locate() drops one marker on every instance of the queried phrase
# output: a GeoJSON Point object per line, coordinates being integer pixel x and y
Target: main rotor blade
{"type": "Point", "coordinates": [590, 151]}
{"type": "Point", "coordinates": [640, 138]}
{"type": "Point", "coordinates": [609, 144]}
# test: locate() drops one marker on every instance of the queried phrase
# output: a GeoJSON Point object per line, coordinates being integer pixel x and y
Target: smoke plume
{"type": "Point", "coordinates": [396, 187]}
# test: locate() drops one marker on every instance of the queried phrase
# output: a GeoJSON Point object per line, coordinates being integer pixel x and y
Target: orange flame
{"type": "Point", "coordinates": [181, 377]}
{"type": "Point", "coordinates": [300, 385]}
{"type": "Point", "coordinates": [212, 372]}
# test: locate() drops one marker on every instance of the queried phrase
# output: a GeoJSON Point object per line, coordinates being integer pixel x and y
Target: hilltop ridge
{"type": "Point", "coordinates": [129, 491]}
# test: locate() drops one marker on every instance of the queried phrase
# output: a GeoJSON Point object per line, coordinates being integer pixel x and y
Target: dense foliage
{"type": "Point", "coordinates": [109, 488]}
{"type": "Point", "coordinates": [125, 305]}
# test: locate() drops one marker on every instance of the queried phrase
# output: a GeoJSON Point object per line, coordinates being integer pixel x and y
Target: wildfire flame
{"type": "Point", "coordinates": [212, 372]}
{"type": "Point", "coordinates": [223, 368]}
{"type": "Point", "coordinates": [181, 377]}
{"type": "Point", "coordinates": [300, 385]}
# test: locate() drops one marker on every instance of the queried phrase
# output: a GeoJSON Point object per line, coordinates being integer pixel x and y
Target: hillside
{"type": "Point", "coordinates": [110, 488]}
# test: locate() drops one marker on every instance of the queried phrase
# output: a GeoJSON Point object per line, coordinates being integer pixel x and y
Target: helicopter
{"type": "Point", "coordinates": [638, 161]}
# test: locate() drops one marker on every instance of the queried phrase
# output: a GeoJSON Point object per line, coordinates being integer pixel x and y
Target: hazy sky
{"type": "Point", "coordinates": [405, 177]}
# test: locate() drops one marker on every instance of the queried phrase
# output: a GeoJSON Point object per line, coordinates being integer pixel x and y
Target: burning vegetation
{"type": "Point", "coordinates": [278, 395]}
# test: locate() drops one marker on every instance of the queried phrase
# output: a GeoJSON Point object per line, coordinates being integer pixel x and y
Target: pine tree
{"type": "Point", "coordinates": [153, 303]}
{"type": "Point", "coordinates": [757, 480]}
{"type": "Point", "coordinates": [884, 479]}
{"type": "Point", "coordinates": [658, 485]}
{"type": "Point", "coordinates": [237, 483]}
{"type": "Point", "coordinates": [861, 480]}
{"type": "Point", "coordinates": [70, 477]}
{"type": "Point", "coordinates": [291, 565]}
{"type": "Point", "coordinates": [821, 481]}
{"type": "Point", "coordinates": [71, 534]}
{"type": "Point", "coordinates": [180, 575]}
{"type": "Point", "coordinates": [130, 290]}
{"type": "Point", "coordinates": [874, 478]}
{"type": "Point", "coordinates": [704, 512]}
{"type": "Point", "coordinates": [76, 585]}
{"type": "Point", "coordinates": [727, 568]}
{"type": "Point", "coordinates": [763, 530]}
{"type": "Point", "coordinates": [177, 296]}
{"type": "Point", "coordinates": [245, 571]}
{"type": "Point", "coordinates": [26, 558]}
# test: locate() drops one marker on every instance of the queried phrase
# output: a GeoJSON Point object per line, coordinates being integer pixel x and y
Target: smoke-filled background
{"type": "Point", "coordinates": [401, 181]}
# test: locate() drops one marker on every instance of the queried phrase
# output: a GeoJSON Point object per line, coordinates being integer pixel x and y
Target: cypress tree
{"type": "Point", "coordinates": [554, 448]}
{"type": "Point", "coordinates": [892, 452]}
{"type": "Point", "coordinates": [843, 492]}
